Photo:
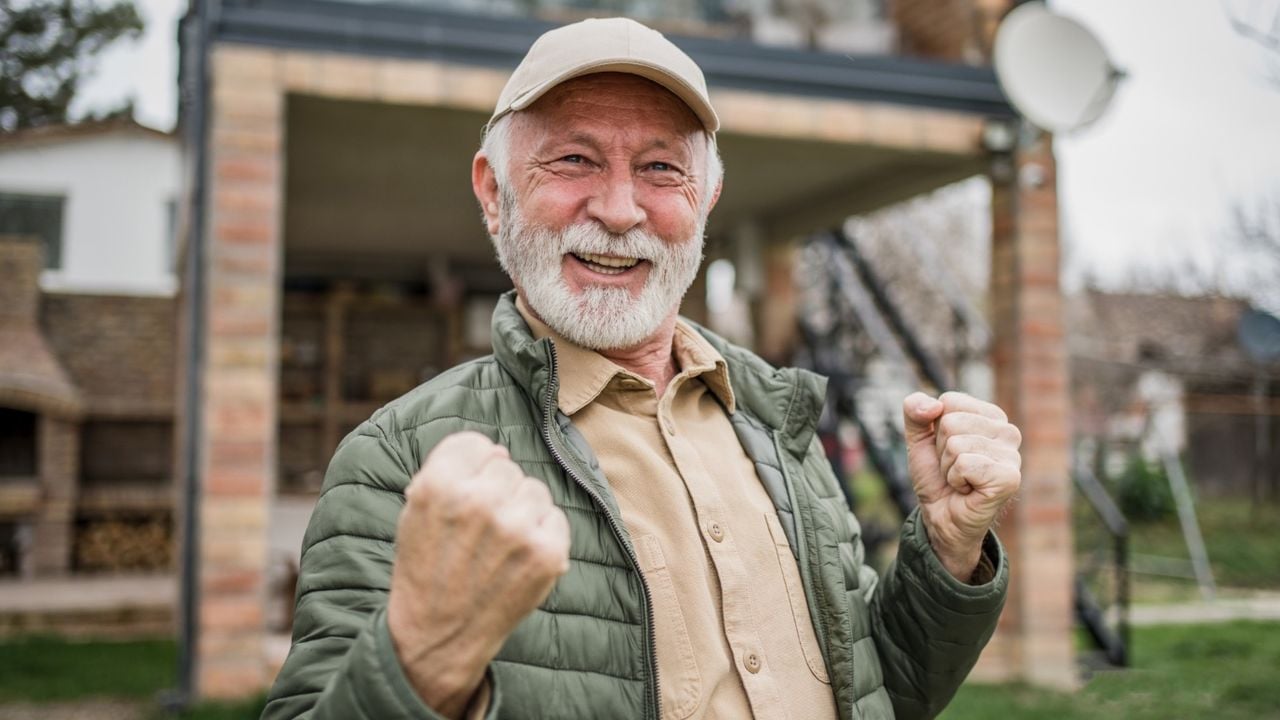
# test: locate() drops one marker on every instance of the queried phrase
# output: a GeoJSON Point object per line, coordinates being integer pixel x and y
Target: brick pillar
{"type": "Point", "coordinates": [1035, 639]}
{"type": "Point", "coordinates": [237, 439]}
{"type": "Point", "coordinates": [777, 309]}
{"type": "Point", "coordinates": [58, 462]}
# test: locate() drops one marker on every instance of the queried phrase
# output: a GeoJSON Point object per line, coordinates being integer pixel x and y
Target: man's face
{"type": "Point", "coordinates": [600, 225]}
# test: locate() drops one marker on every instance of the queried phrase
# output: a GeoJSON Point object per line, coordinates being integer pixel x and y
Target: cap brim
{"type": "Point", "coordinates": [672, 82]}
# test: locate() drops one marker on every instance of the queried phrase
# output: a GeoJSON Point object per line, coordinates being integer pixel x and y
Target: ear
{"type": "Point", "coordinates": [485, 185]}
{"type": "Point", "coordinates": [715, 194]}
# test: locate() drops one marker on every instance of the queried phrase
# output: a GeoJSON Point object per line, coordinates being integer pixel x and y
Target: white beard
{"type": "Point", "coordinates": [599, 318]}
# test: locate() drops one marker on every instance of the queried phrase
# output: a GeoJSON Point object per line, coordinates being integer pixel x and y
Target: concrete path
{"type": "Point", "coordinates": [1262, 607]}
{"type": "Point", "coordinates": [53, 595]}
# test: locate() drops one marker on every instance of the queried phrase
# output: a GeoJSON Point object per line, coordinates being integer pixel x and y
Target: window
{"type": "Point", "coordinates": [38, 215]}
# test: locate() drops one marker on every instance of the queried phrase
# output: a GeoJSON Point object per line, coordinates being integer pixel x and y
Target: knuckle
{"type": "Point", "coordinates": [1013, 434]}
{"type": "Point", "coordinates": [422, 488]}
{"type": "Point", "coordinates": [471, 501]}
{"type": "Point", "coordinates": [999, 412]}
{"type": "Point", "coordinates": [537, 491]}
{"type": "Point", "coordinates": [944, 424]}
{"type": "Point", "coordinates": [544, 555]}
{"type": "Point", "coordinates": [955, 445]}
{"type": "Point", "coordinates": [551, 558]}
{"type": "Point", "coordinates": [511, 530]}
{"type": "Point", "coordinates": [951, 423]}
{"type": "Point", "coordinates": [501, 468]}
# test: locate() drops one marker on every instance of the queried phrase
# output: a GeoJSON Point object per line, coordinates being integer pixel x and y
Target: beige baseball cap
{"type": "Point", "coordinates": [606, 45]}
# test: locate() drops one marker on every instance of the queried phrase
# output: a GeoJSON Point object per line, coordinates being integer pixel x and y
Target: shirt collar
{"type": "Point", "coordinates": [584, 374]}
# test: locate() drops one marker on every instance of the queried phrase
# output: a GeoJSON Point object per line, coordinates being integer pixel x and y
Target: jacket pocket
{"type": "Point", "coordinates": [795, 593]}
{"type": "Point", "coordinates": [681, 681]}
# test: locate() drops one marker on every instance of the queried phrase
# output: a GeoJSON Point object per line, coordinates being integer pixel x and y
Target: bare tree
{"type": "Point", "coordinates": [1258, 22]}
{"type": "Point", "coordinates": [1254, 246]}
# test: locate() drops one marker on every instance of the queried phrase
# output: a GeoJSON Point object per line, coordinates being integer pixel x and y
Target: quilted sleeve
{"type": "Point", "coordinates": [929, 628]}
{"type": "Point", "coordinates": [342, 665]}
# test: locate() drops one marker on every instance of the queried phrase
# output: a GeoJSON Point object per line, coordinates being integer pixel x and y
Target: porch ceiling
{"type": "Point", "coordinates": [389, 185]}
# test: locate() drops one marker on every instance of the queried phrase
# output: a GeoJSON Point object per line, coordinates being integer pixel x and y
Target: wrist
{"type": "Point", "coordinates": [959, 563]}
{"type": "Point", "coordinates": [446, 678]}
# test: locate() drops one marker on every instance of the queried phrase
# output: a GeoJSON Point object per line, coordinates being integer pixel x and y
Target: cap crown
{"type": "Point", "coordinates": [606, 45]}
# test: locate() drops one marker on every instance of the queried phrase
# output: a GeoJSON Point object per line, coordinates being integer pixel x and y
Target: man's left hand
{"type": "Point", "coordinates": [963, 457]}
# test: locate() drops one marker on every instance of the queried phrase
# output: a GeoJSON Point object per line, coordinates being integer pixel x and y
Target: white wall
{"type": "Point", "coordinates": [115, 223]}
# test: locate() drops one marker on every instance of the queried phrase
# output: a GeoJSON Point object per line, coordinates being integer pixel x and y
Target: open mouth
{"type": "Point", "coordinates": [606, 264]}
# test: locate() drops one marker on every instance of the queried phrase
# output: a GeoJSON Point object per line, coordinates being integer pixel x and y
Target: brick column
{"type": "Point", "coordinates": [777, 311]}
{"type": "Point", "coordinates": [238, 417]}
{"type": "Point", "coordinates": [1035, 639]}
{"type": "Point", "coordinates": [58, 460]}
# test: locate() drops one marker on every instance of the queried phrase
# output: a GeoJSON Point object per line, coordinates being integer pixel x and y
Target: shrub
{"type": "Point", "coordinates": [1143, 491]}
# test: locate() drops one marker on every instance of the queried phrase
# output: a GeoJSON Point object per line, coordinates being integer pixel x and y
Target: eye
{"type": "Point", "coordinates": [661, 166]}
{"type": "Point", "coordinates": [574, 159]}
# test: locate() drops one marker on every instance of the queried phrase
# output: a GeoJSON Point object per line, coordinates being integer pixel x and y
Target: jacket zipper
{"type": "Point", "coordinates": [548, 410]}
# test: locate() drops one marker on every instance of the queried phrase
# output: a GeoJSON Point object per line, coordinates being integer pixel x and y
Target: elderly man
{"type": "Point", "coordinates": [618, 514]}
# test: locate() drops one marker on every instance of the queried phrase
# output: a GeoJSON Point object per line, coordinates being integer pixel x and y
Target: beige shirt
{"type": "Point", "coordinates": [734, 637]}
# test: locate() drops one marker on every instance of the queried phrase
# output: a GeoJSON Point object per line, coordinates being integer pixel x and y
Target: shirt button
{"type": "Point", "coordinates": [752, 661]}
{"type": "Point", "coordinates": [716, 531]}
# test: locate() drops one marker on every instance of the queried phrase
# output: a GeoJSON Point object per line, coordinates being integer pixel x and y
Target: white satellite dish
{"type": "Point", "coordinates": [1054, 71]}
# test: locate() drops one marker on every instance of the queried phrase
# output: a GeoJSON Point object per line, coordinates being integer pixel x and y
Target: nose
{"type": "Point", "coordinates": [614, 205]}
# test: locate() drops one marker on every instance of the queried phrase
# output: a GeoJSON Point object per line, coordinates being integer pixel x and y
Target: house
{"type": "Point", "coordinates": [336, 259]}
{"type": "Point", "coordinates": [87, 341]}
{"type": "Point", "coordinates": [1154, 373]}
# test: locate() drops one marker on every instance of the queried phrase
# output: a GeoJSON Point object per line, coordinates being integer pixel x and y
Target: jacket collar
{"type": "Point", "coordinates": [787, 400]}
{"type": "Point", "coordinates": [585, 374]}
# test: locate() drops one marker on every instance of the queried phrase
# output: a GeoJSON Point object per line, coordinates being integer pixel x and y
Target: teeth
{"type": "Point", "coordinates": [610, 262]}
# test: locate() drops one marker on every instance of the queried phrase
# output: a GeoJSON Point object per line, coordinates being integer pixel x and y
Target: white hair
{"type": "Point", "coordinates": [496, 145]}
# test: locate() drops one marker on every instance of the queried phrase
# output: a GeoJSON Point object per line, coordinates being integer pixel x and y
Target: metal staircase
{"type": "Point", "coordinates": [848, 316]}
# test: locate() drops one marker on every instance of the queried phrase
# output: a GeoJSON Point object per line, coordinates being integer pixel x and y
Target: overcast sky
{"type": "Point", "coordinates": [1193, 129]}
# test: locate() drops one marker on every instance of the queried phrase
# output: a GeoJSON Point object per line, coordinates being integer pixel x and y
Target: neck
{"type": "Point", "coordinates": [653, 359]}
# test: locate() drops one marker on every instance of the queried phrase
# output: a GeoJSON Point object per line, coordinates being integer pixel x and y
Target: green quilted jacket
{"type": "Point", "coordinates": [895, 646]}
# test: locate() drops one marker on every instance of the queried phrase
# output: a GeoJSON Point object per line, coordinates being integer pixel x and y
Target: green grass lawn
{"type": "Point", "coordinates": [1226, 672]}
{"type": "Point", "coordinates": [1222, 672]}
{"type": "Point", "coordinates": [48, 669]}
{"type": "Point", "coordinates": [1242, 541]}
{"type": "Point", "coordinates": [40, 668]}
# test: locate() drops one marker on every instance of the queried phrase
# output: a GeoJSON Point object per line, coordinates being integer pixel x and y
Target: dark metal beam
{"type": "Point", "coordinates": [401, 30]}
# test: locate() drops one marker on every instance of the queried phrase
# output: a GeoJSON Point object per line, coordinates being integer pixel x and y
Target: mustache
{"type": "Point", "coordinates": [591, 238]}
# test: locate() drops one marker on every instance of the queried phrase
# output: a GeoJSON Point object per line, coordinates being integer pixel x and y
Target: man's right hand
{"type": "Point", "coordinates": [478, 547]}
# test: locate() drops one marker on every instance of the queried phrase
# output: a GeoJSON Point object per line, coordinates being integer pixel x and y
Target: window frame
{"type": "Point", "coordinates": [54, 248]}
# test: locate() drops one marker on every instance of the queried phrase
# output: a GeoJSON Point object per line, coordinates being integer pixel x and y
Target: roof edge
{"type": "Point", "coordinates": [399, 30]}
{"type": "Point", "coordinates": [65, 132]}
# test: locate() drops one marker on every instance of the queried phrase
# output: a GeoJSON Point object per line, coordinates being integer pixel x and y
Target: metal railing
{"type": "Point", "coordinates": [1115, 644]}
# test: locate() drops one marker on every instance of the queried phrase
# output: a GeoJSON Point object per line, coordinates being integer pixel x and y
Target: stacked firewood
{"type": "Point", "coordinates": [114, 544]}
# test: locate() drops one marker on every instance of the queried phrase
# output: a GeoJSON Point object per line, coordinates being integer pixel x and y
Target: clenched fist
{"type": "Point", "coordinates": [963, 457]}
{"type": "Point", "coordinates": [478, 547]}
